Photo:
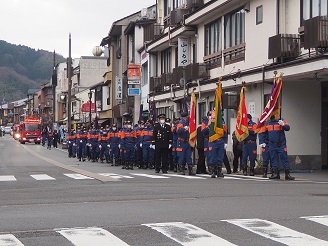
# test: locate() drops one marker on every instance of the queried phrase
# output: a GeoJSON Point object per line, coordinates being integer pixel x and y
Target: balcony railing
{"type": "Point", "coordinates": [316, 32]}
{"type": "Point", "coordinates": [284, 46]}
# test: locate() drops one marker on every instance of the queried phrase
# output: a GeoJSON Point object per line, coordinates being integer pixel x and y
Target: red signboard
{"type": "Point", "coordinates": [133, 71]}
{"type": "Point", "coordinates": [86, 107]}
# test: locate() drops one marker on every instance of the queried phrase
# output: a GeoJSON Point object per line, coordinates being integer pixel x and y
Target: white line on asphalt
{"type": "Point", "coordinates": [150, 176]}
{"type": "Point", "coordinates": [247, 177]}
{"type": "Point", "coordinates": [277, 232]}
{"type": "Point", "coordinates": [9, 240]}
{"type": "Point", "coordinates": [90, 236]}
{"type": "Point", "coordinates": [184, 176]}
{"type": "Point", "coordinates": [323, 220]}
{"type": "Point", "coordinates": [7, 178]}
{"type": "Point", "coordinates": [42, 177]}
{"type": "Point", "coordinates": [188, 235]}
{"type": "Point", "coordinates": [116, 176]}
{"type": "Point", "coordinates": [76, 176]}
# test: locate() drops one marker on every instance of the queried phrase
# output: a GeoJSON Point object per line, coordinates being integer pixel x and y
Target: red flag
{"type": "Point", "coordinates": [272, 107]}
{"type": "Point", "coordinates": [192, 121]}
{"type": "Point", "coordinates": [242, 120]}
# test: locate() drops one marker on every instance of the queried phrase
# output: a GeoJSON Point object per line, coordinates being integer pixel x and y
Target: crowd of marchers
{"type": "Point", "coordinates": [164, 146]}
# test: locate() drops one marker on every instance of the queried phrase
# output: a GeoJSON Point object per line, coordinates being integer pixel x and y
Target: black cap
{"type": "Point", "coordinates": [161, 116]}
{"type": "Point", "coordinates": [184, 114]}
{"type": "Point", "coordinates": [150, 121]}
{"type": "Point", "coordinates": [167, 120]}
{"type": "Point", "coordinates": [114, 125]}
{"type": "Point", "coordinates": [204, 118]}
{"type": "Point", "coordinates": [177, 118]}
{"type": "Point", "coordinates": [209, 113]}
{"type": "Point", "coordinates": [249, 116]}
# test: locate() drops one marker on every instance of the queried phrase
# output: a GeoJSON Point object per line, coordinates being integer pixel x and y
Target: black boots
{"type": "Point", "coordinates": [276, 174]}
{"type": "Point", "coordinates": [251, 171]}
{"type": "Point", "coordinates": [213, 170]}
{"type": "Point", "coordinates": [182, 170]}
{"type": "Point", "coordinates": [287, 175]}
{"type": "Point", "coordinates": [216, 172]}
{"type": "Point", "coordinates": [245, 170]}
{"type": "Point", "coordinates": [191, 172]}
{"type": "Point", "coordinates": [265, 172]}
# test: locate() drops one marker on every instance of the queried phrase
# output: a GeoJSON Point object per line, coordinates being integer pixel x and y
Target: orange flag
{"type": "Point", "coordinates": [242, 121]}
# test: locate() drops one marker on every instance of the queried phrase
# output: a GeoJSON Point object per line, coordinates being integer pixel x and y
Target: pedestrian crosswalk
{"type": "Point", "coordinates": [187, 234]}
{"type": "Point", "coordinates": [77, 176]}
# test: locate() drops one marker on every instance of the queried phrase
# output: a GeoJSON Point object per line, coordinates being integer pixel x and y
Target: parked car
{"type": "Point", "coordinates": [8, 129]}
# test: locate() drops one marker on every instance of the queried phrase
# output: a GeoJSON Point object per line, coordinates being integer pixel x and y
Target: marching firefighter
{"type": "Point", "coordinates": [263, 142]}
{"type": "Point", "coordinates": [102, 144]}
{"type": "Point", "coordinates": [138, 153]}
{"type": "Point", "coordinates": [93, 144]}
{"type": "Point", "coordinates": [114, 140]}
{"type": "Point", "coordinates": [50, 138]}
{"type": "Point", "coordinates": [169, 153]}
{"type": "Point", "coordinates": [80, 142]}
{"type": "Point", "coordinates": [128, 143]}
{"type": "Point", "coordinates": [277, 145]}
{"type": "Point", "coordinates": [183, 146]}
{"type": "Point", "coordinates": [146, 145]}
{"type": "Point", "coordinates": [121, 146]}
{"type": "Point", "coordinates": [250, 147]}
{"type": "Point", "coordinates": [174, 144]}
{"type": "Point", "coordinates": [71, 137]}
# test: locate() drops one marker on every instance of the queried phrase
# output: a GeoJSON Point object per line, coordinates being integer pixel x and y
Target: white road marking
{"type": "Point", "coordinates": [42, 177]}
{"type": "Point", "coordinates": [9, 240]}
{"type": "Point", "coordinates": [116, 176]}
{"type": "Point", "coordinates": [277, 232]}
{"type": "Point", "coordinates": [150, 176]}
{"type": "Point", "coordinates": [323, 220]}
{"type": "Point", "coordinates": [76, 176]}
{"type": "Point", "coordinates": [90, 236]}
{"type": "Point", "coordinates": [184, 176]}
{"type": "Point", "coordinates": [7, 178]}
{"type": "Point", "coordinates": [247, 177]}
{"type": "Point", "coordinates": [188, 235]}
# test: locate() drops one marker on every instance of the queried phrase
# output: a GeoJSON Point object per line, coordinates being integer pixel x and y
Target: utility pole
{"type": "Point", "coordinates": [54, 84]}
{"type": "Point", "coordinates": [69, 76]}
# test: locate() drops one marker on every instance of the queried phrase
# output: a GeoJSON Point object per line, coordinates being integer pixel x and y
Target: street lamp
{"type": "Point", "coordinates": [90, 97]}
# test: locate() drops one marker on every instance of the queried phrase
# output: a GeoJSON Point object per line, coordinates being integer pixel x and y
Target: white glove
{"type": "Point", "coordinates": [99, 146]}
{"type": "Point", "coordinates": [186, 127]}
{"type": "Point", "coordinates": [108, 145]}
{"type": "Point", "coordinates": [69, 142]}
{"type": "Point", "coordinates": [170, 145]}
{"type": "Point", "coordinates": [152, 146]}
{"type": "Point", "coordinates": [263, 145]}
{"type": "Point", "coordinates": [119, 146]}
{"type": "Point", "coordinates": [280, 122]}
{"type": "Point", "coordinates": [141, 145]}
{"type": "Point", "coordinates": [225, 146]}
{"type": "Point", "coordinates": [81, 141]}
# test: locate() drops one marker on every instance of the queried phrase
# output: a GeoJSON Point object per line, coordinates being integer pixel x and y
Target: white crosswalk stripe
{"type": "Point", "coordinates": [323, 220]}
{"type": "Point", "coordinates": [183, 176]}
{"type": "Point", "coordinates": [76, 176]}
{"type": "Point", "coordinates": [42, 177]}
{"type": "Point", "coordinates": [277, 232]}
{"type": "Point", "coordinates": [7, 178]}
{"type": "Point", "coordinates": [90, 236]}
{"type": "Point", "coordinates": [9, 240]}
{"type": "Point", "coordinates": [116, 176]}
{"type": "Point", "coordinates": [149, 176]}
{"type": "Point", "coordinates": [188, 235]}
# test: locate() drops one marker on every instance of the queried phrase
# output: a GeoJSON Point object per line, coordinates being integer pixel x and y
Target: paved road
{"type": "Point", "coordinates": [50, 199]}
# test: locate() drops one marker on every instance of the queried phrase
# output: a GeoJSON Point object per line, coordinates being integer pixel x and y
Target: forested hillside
{"type": "Point", "coordinates": [23, 68]}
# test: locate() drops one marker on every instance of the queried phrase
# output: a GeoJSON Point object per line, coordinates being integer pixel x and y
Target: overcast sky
{"type": "Point", "coordinates": [46, 24]}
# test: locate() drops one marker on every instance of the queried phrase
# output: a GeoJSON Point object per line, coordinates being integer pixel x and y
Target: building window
{"type": "Point", "coordinates": [166, 58]}
{"type": "Point", "coordinates": [234, 28]}
{"type": "Point", "coordinates": [313, 8]}
{"type": "Point", "coordinates": [201, 111]}
{"type": "Point", "coordinates": [145, 74]}
{"type": "Point", "coordinates": [167, 7]}
{"type": "Point", "coordinates": [259, 15]}
{"type": "Point", "coordinates": [213, 36]}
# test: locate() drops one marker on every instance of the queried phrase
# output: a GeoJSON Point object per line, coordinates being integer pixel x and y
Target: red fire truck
{"type": "Point", "coordinates": [30, 131]}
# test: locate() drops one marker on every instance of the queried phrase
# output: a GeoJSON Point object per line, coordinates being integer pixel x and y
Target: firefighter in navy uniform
{"type": "Point", "coordinates": [121, 146]}
{"type": "Point", "coordinates": [183, 146]}
{"type": "Point", "coordinates": [71, 141]}
{"type": "Point", "coordinates": [146, 145]}
{"type": "Point", "coordinates": [138, 153]}
{"type": "Point", "coordinates": [114, 140]}
{"type": "Point", "coordinates": [128, 141]}
{"type": "Point", "coordinates": [250, 147]}
{"type": "Point", "coordinates": [93, 143]}
{"type": "Point", "coordinates": [102, 144]}
{"type": "Point", "coordinates": [264, 144]}
{"type": "Point", "coordinates": [170, 154]}
{"type": "Point", "coordinates": [80, 142]}
{"type": "Point", "coordinates": [174, 144]}
{"type": "Point", "coordinates": [277, 145]}
{"type": "Point", "coordinates": [162, 142]}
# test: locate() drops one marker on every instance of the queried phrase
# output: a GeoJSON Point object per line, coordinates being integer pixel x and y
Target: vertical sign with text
{"type": "Point", "coordinates": [183, 51]}
{"type": "Point", "coordinates": [119, 88]}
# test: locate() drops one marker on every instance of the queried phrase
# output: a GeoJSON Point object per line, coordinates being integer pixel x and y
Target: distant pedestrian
{"type": "Point", "coordinates": [56, 139]}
